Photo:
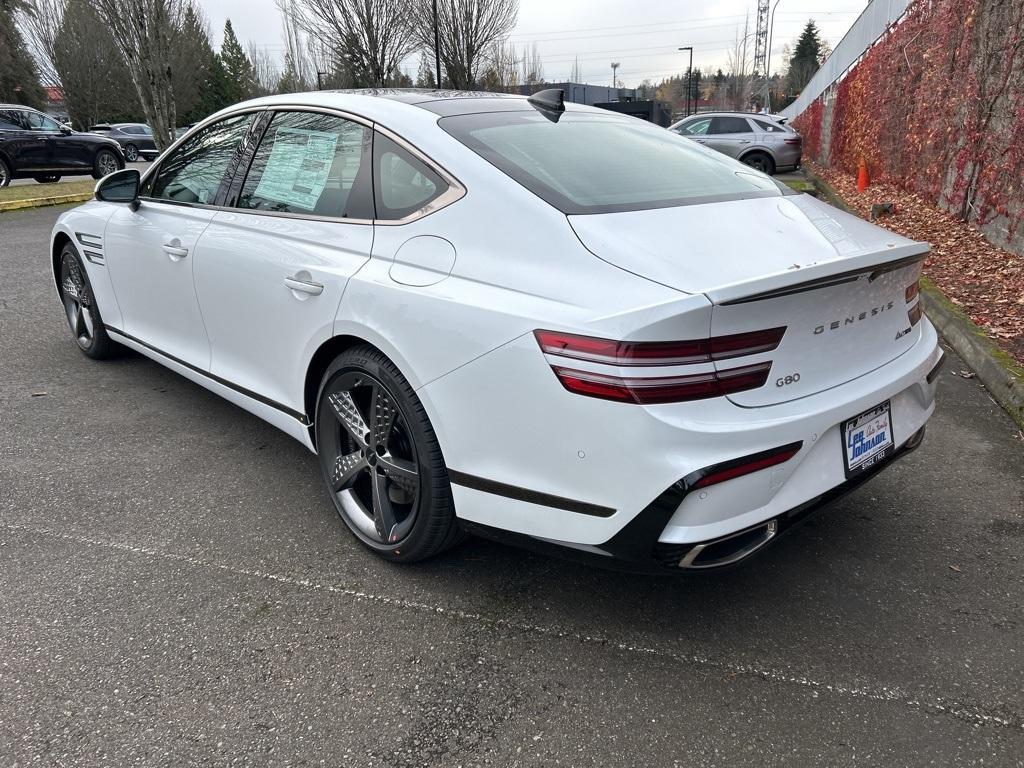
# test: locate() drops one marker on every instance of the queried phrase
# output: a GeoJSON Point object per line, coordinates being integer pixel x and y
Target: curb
{"type": "Point", "coordinates": [39, 202]}
{"type": "Point", "coordinates": [1002, 376]}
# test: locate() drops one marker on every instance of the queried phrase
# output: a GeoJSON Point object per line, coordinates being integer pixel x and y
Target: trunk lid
{"type": "Point", "coordinates": [836, 282]}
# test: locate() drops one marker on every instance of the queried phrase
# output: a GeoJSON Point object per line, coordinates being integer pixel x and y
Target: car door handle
{"type": "Point", "coordinates": [744, 141]}
{"type": "Point", "coordinates": [176, 252]}
{"type": "Point", "coordinates": [303, 286]}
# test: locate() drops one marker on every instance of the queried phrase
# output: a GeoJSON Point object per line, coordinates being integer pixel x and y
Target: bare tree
{"type": "Point", "coordinates": [576, 75]}
{"type": "Point", "coordinates": [502, 73]}
{"type": "Point", "coordinates": [739, 83]}
{"type": "Point", "coordinates": [467, 31]}
{"type": "Point", "coordinates": [265, 71]}
{"type": "Point", "coordinates": [372, 36]}
{"type": "Point", "coordinates": [295, 44]}
{"type": "Point", "coordinates": [143, 30]}
{"type": "Point", "coordinates": [41, 20]}
{"type": "Point", "coordinates": [532, 68]}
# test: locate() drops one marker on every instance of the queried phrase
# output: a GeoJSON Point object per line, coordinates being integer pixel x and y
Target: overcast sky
{"type": "Point", "coordinates": [642, 35]}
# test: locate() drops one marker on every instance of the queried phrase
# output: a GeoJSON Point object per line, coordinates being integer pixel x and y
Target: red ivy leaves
{"type": "Point", "coordinates": [936, 106]}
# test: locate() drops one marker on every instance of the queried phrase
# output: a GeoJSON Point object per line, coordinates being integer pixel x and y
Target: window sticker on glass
{"type": "Point", "coordinates": [297, 169]}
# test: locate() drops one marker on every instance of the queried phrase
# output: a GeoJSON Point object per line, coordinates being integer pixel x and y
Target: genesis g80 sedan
{"type": "Point", "coordinates": [537, 321]}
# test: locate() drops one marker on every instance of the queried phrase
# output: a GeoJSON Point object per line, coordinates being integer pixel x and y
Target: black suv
{"type": "Point", "coordinates": [35, 146]}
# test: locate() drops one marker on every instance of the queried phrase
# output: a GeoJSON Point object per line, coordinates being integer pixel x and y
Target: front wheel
{"type": "Point", "coordinates": [381, 460]}
{"type": "Point", "coordinates": [47, 178]}
{"type": "Point", "coordinates": [105, 164]}
{"type": "Point", "coordinates": [131, 153]}
{"type": "Point", "coordinates": [80, 307]}
{"type": "Point", "coordinates": [5, 173]}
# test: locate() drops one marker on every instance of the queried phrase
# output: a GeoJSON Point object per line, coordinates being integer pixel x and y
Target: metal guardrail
{"type": "Point", "coordinates": [864, 33]}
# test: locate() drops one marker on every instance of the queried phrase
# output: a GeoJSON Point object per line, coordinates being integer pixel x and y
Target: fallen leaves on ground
{"type": "Point", "coordinates": [983, 280]}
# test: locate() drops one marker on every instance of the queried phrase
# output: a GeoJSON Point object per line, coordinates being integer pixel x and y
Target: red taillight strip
{"type": "Point", "coordinates": [914, 314]}
{"type": "Point", "coordinates": [658, 353]}
{"type": "Point", "coordinates": [912, 291]}
{"type": "Point", "coordinates": [728, 470]}
{"type": "Point", "coordinates": [663, 389]}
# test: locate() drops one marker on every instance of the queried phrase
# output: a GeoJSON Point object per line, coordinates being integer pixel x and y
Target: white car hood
{"type": "Point", "coordinates": [704, 247]}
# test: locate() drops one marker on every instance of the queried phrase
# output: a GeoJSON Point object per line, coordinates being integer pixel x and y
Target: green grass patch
{"type": "Point", "coordinates": [33, 190]}
{"type": "Point", "coordinates": [799, 185]}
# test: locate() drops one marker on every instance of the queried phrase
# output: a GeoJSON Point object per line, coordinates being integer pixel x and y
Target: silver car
{"type": "Point", "coordinates": [757, 140]}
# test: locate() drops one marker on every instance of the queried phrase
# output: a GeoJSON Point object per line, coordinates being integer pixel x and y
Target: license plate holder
{"type": "Point", "coordinates": [867, 439]}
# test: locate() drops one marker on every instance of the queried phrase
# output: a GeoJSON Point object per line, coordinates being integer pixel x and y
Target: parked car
{"type": "Point", "coordinates": [534, 320]}
{"type": "Point", "coordinates": [136, 139]}
{"type": "Point", "coordinates": [35, 146]}
{"type": "Point", "coordinates": [757, 140]}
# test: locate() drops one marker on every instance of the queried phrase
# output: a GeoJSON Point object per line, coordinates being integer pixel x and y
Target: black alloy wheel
{"type": "Point", "coordinates": [5, 173]}
{"type": "Point", "coordinates": [106, 163]}
{"type": "Point", "coordinates": [131, 153]}
{"type": "Point", "coordinates": [760, 162]}
{"type": "Point", "coordinates": [80, 308]}
{"type": "Point", "coordinates": [380, 459]}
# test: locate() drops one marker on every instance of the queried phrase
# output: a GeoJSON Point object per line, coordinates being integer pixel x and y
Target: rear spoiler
{"type": "Point", "coordinates": [800, 279]}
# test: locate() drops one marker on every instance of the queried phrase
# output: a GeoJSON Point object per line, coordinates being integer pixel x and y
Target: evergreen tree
{"type": "Point", "coordinates": [19, 77]}
{"type": "Point", "coordinates": [289, 82]}
{"type": "Point", "coordinates": [237, 67]}
{"type": "Point", "coordinates": [806, 58]}
{"type": "Point", "coordinates": [217, 89]}
{"type": "Point", "coordinates": [192, 58]}
{"type": "Point", "coordinates": [425, 73]}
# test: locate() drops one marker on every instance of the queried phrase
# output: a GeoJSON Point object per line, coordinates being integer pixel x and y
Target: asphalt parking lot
{"type": "Point", "coordinates": [175, 589]}
{"type": "Point", "coordinates": [142, 166]}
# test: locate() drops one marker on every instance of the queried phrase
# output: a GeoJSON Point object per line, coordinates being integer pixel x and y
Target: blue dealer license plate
{"type": "Point", "coordinates": [867, 439]}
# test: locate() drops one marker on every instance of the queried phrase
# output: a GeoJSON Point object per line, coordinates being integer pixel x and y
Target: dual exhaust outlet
{"type": "Point", "coordinates": [729, 549]}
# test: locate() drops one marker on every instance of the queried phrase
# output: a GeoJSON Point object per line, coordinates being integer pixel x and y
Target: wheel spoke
{"type": "Point", "coordinates": [345, 409]}
{"type": "Point", "coordinates": [382, 416]}
{"type": "Point", "coordinates": [346, 469]}
{"type": "Point", "coordinates": [87, 321]}
{"type": "Point", "coordinates": [400, 472]}
{"type": "Point", "coordinates": [383, 513]}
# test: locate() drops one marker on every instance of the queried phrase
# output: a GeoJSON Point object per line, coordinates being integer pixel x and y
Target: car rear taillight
{"type": "Point", "coordinates": [912, 291]}
{"type": "Point", "coordinates": [914, 314]}
{"type": "Point", "coordinates": [652, 390]}
{"type": "Point", "coordinates": [719, 473]}
{"type": "Point", "coordinates": [794, 140]}
{"type": "Point", "coordinates": [654, 353]}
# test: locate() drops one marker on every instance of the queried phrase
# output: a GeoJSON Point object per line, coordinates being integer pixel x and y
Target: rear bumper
{"type": "Point", "coordinates": [578, 473]}
{"type": "Point", "coordinates": [637, 549]}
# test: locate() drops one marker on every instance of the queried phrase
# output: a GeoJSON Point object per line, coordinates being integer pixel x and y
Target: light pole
{"type": "Point", "coordinates": [689, 77]}
{"type": "Point", "coordinates": [615, 66]}
{"type": "Point", "coordinates": [768, 60]}
{"type": "Point", "coordinates": [437, 47]}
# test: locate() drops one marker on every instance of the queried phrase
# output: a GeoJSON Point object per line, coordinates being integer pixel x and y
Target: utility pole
{"type": "Point", "coordinates": [615, 66]}
{"type": "Point", "coordinates": [437, 47]}
{"type": "Point", "coordinates": [761, 40]}
{"type": "Point", "coordinates": [768, 60]}
{"type": "Point", "coordinates": [689, 78]}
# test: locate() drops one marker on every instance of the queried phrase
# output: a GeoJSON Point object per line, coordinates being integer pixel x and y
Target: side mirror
{"type": "Point", "coordinates": [120, 187]}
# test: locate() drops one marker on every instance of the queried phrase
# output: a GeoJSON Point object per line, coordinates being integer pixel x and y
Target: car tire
{"type": "Point", "coordinates": [106, 162]}
{"type": "Point", "coordinates": [80, 308]}
{"type": "Point", "coordinates": [390, 485]}
{"type": "Point", "coordinates": [47, 178]}
{"type": "Point", "coordinates": [131, 153]}
{"type": "Point", "coordinates": [5, 173]}
{"type": "Point", "coordinates": [761, 162]}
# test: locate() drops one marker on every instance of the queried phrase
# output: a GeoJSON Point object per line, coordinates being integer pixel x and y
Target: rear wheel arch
{"type": "Point", "coordinates": [745, 157]}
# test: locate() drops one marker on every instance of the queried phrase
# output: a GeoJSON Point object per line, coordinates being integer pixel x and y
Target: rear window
{"type": "Point", "coordinates": [591, 163]}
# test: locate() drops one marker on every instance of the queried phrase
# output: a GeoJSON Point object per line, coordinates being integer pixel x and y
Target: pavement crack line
{"type": "Point", "coordinates": [935, 705]}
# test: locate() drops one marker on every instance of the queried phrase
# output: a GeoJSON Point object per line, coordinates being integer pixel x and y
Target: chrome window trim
{"type": "Point", "coordinates": [456, 190]}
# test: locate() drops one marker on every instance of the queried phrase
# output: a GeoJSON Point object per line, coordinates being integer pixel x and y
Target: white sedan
{"type": "Point", "coordinates": [537, 321]}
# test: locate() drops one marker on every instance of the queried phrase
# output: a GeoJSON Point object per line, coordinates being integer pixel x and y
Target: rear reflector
{"type": "Point", "coordinates": [719, 473]}
{"type": "Point", "coordinates": [656, 353]}
{"type": "Point", "coordinates": [912, 291]}
{"type": "Point", "coordinates": [663, 389]}
{"type": "Point", "coordinates": [794, 140]}
{"type": "Point", "coordinates": [914, 314]}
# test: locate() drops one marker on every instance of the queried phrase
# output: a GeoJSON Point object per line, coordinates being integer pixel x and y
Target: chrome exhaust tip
{"type": "Point", "coordinates": [729, 549]}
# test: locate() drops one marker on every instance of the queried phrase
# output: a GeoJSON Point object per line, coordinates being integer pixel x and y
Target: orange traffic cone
{"type": "Point", "coordinates": [862, 176]}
